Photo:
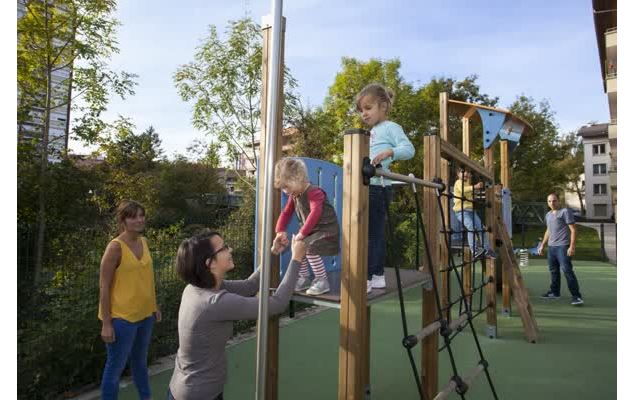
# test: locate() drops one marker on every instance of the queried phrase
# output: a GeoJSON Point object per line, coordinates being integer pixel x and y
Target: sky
{"type": "Point", "coordinates": [542, 49]}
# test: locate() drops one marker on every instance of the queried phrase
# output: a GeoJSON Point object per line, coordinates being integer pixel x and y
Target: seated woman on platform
{"type": "Point", "coordinates": [209, 306]}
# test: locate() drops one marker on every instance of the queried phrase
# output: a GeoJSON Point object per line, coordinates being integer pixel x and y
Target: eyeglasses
{"type": "Point", "coordinates": [225, 247]}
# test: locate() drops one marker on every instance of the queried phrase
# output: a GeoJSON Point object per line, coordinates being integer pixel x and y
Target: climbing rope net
{"type": "Point", "coordinates": [446, 327]}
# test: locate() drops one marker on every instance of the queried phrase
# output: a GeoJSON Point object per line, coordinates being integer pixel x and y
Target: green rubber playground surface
{"type": "Point", "coordinates": [575, 357]}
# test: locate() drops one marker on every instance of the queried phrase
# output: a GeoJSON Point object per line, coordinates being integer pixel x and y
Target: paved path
{"type": "Point", "coordinates": [610, 238]}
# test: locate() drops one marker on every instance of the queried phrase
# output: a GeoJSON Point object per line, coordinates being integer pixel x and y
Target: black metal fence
{"type": "Point", "coordinates": [59, 344]}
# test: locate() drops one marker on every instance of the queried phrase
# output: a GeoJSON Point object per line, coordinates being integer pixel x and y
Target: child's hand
{"type": "Point", "coordinates": [382, 156]}
{"type": "Point", "coordinates": [279, 243]}
{"type": "Point", "coordinates": [299, 236]}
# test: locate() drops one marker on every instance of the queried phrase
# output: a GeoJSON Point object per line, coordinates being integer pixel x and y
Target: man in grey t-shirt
{"type": "Point", "coordinates": [560, 236]}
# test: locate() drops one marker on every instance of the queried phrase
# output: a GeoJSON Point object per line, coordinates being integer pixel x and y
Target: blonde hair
{"type": "Point", "coordinates": [382, 94]}
{"type": "Point", "coordinates": [290, 170]}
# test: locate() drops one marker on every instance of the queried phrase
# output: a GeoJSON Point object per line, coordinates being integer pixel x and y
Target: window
{"type": "Point", "coordinates": [599, 149]}
{"type": "Point", "coordinates": [599, 189]}
{"type": "Point", "coordinates": [599, 169]}
{"type": "Point", "coordinates": [600, 210]}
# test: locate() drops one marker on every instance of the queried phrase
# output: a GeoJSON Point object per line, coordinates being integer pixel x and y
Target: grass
{"type": "Point", "coordinates": [587, 242]}
{"type": "Point", "coordinates": [575, 357]}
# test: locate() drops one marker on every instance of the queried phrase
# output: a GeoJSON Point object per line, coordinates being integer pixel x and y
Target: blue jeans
{"type": "Point", "coordinates": [132, 340]}
{"type": "Point", "coordinates": [559, 260]}
{"type": "Point", "coordinates": [472, 222]}
{"type": "Point", "coordinates": [378, 196]}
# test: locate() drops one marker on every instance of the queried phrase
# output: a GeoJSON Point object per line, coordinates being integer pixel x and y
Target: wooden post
{"type": "Point", "coordinates": [431, 167]}
{"type": "Point", "coordinates": [504, 168]}
{"type": "Point", "coordinates": [354, 314]}
{"type": "Point", "coordinates": [273, 327]}
{"type": "Point", "coordinates": [467, 255]}
{"type": "Point", "coordinates": [444, 251]}
{"type": "Point", "coordinates": [491, 328]}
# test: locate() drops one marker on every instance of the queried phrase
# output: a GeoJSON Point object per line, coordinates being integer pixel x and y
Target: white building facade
{"type": "Point", "coordinates": [597, 165]}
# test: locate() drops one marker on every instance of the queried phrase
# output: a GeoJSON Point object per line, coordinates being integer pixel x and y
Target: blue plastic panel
{"type": "Point", "coordinates": [327, 176]}
{"type": "Point", "coordinates": [492, 124]}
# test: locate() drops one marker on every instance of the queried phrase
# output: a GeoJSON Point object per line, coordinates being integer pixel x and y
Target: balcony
{"type": "Point", "coordinates": [610, 38]}
{"type": "Point", "coordinates": [613, 129]}
{"type": "Point", "coordinates": [613, 178]}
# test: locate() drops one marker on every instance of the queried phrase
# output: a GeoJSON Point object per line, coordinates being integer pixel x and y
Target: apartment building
{"type": "Point", "coordinates": [33, 126]}
{"type": "Point", "coordinates": [605, 21]}
{"type": "Point", "coordinates": [597, 160]}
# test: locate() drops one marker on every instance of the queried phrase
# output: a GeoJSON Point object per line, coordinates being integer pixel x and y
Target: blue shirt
{"type": "Point", "coordinates": [558, 226]}
{"type": "Point", "coordinates": [389, 135]}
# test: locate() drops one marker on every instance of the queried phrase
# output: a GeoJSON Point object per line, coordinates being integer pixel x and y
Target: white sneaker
{"type": "Point", "coordinates": [304, 282]}
{"type": "Point", "coordinates": [378, 281]}
{"type": "Point", "coordinates": [369, 286]}
{"type": "Point", "coordinates": [319, 286]}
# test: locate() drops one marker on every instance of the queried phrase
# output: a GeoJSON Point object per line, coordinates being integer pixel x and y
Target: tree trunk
{"type": "Point", "coordinates": [578, 190]}
{"type": "Point", "coordinates": [44, 144]}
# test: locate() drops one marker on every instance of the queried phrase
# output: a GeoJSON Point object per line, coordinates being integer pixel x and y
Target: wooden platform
{"type": "Point", "coordinates": [409, 279]}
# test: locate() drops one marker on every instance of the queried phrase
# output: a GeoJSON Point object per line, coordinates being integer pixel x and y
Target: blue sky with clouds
{"type": "Point", "coordinates": [543, 49]}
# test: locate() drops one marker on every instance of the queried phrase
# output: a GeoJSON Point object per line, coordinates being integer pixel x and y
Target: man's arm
{"type": "Point", "coordinates": [545, 238]}
{"type": "Point", "coordinates": [571, 250]}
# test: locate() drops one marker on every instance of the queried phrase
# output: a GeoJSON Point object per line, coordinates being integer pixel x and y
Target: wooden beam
{"type": "Point", "coordinates": [354, 314]}
{"type": "Point", "coordinates": [505, 170]}
{"type": "Point", "coordinates": [429, 348]}
{"type": "Point", "coordinates": [467, 145]}
{"type": "Point", "coordinates": [505, 181]}
{"type": "Point", "coordinates": [521, 296]}
{"type": "Point", "coordinates": [444, 256]}
{"type": "Point", "coordinates": [449, 152]}
{"type": "Point", "coordinates": [490, 264]}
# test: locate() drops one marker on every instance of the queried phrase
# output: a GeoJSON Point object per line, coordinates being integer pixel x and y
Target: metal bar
{"type": "Point", "coordinates": [408, 179]}
{"type": "Point", "coordinates": [272, 131]}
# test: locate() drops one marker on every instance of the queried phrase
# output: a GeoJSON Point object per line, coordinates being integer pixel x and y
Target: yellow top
{"type": "Point", "coordinates": [132, 294]}
{"type": "Point", "coordinates": [465, 190]}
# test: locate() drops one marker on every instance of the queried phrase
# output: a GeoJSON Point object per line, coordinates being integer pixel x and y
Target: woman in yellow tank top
{"type": "Point", "coordinates": [127, 302]}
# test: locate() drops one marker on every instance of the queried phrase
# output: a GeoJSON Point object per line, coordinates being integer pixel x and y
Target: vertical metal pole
{"type": "Point", "coordinates": [272, 126]}
{"type": "Point", "coordinates": [602, 248]}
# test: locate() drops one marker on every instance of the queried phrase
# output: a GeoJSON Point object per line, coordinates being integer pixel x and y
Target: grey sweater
{"type": "Point", "coordinates": [205, 325]}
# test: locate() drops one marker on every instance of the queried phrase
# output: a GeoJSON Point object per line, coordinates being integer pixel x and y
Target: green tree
{"type": "Point", "coordinates": [224, 82]}
{"type": "Point", "coordinates": [53, 36]}
{"type": "Point", "coordinates": [537, 160]}
{"type": "Point", "coordinates": [130, 170]}
{"type": "Point", "coordinates": [205, 153]}
{"type": "Point", "coordinates": [181, 188]}
{"type": "Point", "coordinates": [573, 165]}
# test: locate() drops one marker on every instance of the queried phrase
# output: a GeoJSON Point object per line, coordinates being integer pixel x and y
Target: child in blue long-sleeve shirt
{"type": "Point", "coordinates": [388, 143]}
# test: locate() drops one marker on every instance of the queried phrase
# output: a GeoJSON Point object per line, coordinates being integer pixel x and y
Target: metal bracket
{"type": "Point", "coordinates": [490, 331]}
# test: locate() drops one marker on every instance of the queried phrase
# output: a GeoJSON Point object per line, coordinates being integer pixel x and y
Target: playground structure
{"type": "Point", "coordinates": [352, 299]}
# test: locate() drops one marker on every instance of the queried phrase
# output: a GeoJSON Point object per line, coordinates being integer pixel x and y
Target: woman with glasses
{"type": "Point", "coordinates": [209, 306]}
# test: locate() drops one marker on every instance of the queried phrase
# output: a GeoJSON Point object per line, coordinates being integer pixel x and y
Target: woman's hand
{"type": "Point", "coordinates": [298, 249]}
{"type": "Point", "coordinates": [107, 332]}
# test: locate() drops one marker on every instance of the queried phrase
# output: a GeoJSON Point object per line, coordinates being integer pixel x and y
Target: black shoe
{"type": "Point", "coordinates": [577, 301]}
{"type": "Point", "coordinates": [550, 296]}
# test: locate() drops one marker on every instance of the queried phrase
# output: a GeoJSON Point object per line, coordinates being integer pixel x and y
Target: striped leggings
{"type": "Point", "coordinates": [316, 263]}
